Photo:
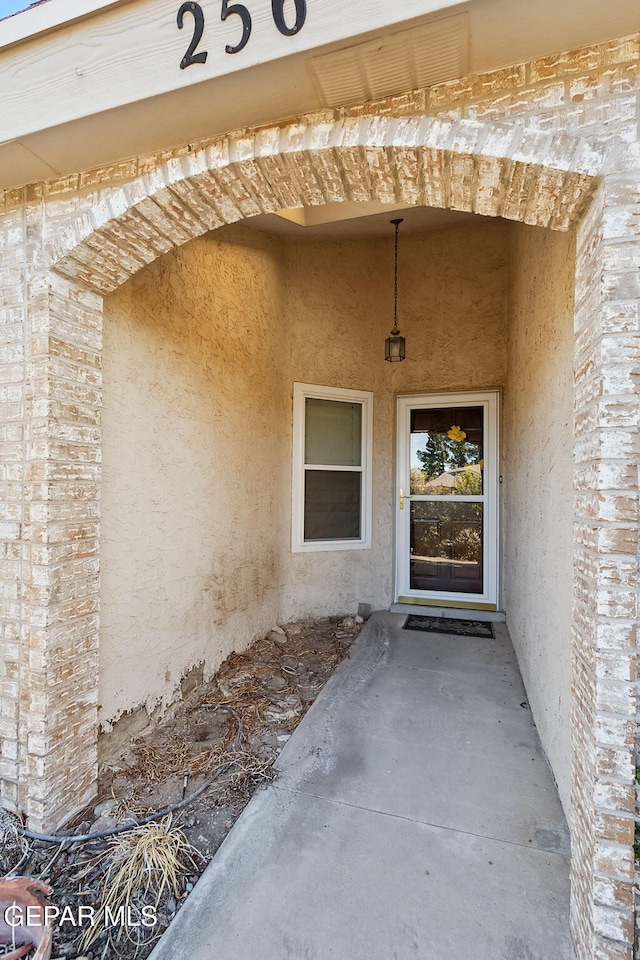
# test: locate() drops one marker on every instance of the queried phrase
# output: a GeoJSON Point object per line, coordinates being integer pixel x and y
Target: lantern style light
{"type": "Point", "coordinates": [395, 344]}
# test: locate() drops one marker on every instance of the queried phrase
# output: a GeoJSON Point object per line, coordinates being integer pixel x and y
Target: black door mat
{"type": "Point", "coordinates": [462, 628]}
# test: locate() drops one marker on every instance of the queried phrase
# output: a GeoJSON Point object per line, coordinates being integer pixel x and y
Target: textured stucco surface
{"type": "Point", "coordinates": [194, 522]}
{"type": "Point", "coordinates": [452, 287]}
{"type": "Point", "coordinates": [201, 351]}
{"type": "Point", "coordinates": [538, 487]}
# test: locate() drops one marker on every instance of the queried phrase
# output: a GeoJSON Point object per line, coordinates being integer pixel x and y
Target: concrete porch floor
{"type": "Point", "coordinates": [414, 816]}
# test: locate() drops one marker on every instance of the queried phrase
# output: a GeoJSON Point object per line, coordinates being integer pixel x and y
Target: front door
{"type": "Point", "coordinates": [447, 500]}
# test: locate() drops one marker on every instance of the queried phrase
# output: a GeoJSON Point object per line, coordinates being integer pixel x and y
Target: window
{"type": "Point", "coordinates": [332, 454]}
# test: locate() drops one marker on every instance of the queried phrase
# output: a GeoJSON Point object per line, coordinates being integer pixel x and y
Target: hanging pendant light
{"type": "Point", "coordinates": [395, 344]}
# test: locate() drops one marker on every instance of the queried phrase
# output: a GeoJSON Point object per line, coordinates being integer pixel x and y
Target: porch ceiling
{"type": "Point", "coordinates": [355, 221]}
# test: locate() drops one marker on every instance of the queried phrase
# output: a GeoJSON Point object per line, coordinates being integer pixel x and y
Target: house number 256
{"type": "Point", "coordinates": [282, 22]}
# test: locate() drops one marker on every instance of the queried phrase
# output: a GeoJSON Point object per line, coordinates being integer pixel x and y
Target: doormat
{"type": "Point", "coordinates": [462, 628]}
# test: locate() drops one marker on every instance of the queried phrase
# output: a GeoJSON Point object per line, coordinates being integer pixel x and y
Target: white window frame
{"type": "Point", "coordinates": [300, 393]}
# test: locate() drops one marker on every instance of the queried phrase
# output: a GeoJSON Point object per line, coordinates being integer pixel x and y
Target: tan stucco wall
{"type": "Point", "coordinates": [538, 485]}
{"type": "Point", "coordinates": [452, 287]}
{"type": "Point", "coordinates": [201, 351]}
{"type": "Point", "coordinates": [194, 464]}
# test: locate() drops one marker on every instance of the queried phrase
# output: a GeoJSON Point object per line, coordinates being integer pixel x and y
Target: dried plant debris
{"type": "Point", "coordinates": [14, 849]}
{"type": "Point", "coordinates": [131, 885]}
{"type": "Point", "coordinates": [145, 867]}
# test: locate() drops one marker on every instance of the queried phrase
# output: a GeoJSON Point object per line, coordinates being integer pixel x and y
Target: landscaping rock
{"type": "Point", "coordinates": [285, 710]}
{"type": "Point", "coordinates": [105, 808]}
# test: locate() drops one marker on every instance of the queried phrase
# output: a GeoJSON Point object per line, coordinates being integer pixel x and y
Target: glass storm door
{"type": "Point", "coordinates": [447, 500]}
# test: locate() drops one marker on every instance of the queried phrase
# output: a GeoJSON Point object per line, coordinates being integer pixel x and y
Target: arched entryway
{"type": "Point", "coordinates": [498, 170]}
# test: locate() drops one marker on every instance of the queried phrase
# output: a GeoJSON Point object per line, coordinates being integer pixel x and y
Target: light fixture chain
{"type": "Point", "coordinates": [396, 224]}
{"type": "Point", "coordinates": [395, 292]}
{"type": "Point", "coordinates": [395, 344]}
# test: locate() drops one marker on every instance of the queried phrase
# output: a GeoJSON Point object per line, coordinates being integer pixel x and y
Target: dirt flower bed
{"type": "Point", "coordinates": [199, 768]}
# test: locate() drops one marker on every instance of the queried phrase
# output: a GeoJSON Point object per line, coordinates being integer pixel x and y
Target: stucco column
{"type": "Point", "coordinates": [607, 361]}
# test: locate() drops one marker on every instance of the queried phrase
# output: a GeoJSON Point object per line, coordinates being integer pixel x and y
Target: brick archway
{"type": "Point", "coordinates": [503, 169]}
{"type": "Point", "coordinates": [497, 170]}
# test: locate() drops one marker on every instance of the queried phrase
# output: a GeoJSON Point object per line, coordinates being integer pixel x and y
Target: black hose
{"type": "Point", "coordinates": [100, 835]}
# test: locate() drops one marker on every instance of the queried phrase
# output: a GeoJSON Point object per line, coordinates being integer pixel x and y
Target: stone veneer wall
{"type": "Point", "coordinates": [530, 143]}
{"type": "Point", "coordinates": [606, 571]}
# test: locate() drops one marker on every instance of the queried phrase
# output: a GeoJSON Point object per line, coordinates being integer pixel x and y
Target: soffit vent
{"type": "Point", "coordinates": [419, 57]}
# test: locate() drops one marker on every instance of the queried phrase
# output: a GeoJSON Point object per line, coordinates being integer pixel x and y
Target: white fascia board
{"type": "Point", "coordinates": [121, 53]}
{"type": "Point", "coordinates": [33, 21]}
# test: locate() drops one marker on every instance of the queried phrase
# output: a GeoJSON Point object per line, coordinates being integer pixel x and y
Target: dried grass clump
{"type": "Point", "coordinates": [146, 865]}
{"type": "Point", "coordinates": [14, 848]}
{"type": "Point", "coordinates": [249, 769]}
{"type": "Point", "coordinates": [159, 762]}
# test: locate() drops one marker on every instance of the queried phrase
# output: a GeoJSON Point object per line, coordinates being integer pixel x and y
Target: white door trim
{"type": "Point", "coordinates": [490, 400]}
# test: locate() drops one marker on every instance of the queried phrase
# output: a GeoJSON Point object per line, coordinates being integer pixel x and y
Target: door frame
{"type": "Point", "coordinates": [490, 598]}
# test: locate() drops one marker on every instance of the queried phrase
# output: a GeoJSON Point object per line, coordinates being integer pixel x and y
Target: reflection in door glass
{"type": "Point", "coordinates": [447, 455]}
{"type": "Point", "coordinates": [446, 546]}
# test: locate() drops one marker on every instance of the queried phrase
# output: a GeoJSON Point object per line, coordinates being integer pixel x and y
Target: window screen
{"type": "Point", "coordinates": [332, 445]}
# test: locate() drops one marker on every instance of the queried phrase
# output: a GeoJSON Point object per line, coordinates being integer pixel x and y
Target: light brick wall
{"type": "Point", "coordinates": [50, 397]}
{"type": "Point", "coordinates": [13, 550]}
{"type": "Point", "coordinates": [551, 142]}
{"type": "Point", "coordinates": [605, 453]}
{"type": "Point", "coordinates": [61, 526]}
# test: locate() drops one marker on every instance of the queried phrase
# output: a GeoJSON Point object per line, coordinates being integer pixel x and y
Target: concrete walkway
{"type": "Point", "coordinates": [414, 816]}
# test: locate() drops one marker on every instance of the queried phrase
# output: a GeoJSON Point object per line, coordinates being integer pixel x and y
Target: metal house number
{"type": "Point", "coordinates": [282, 22]}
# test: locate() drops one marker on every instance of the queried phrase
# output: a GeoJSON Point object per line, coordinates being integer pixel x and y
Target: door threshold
{"type": "Point", "coordinates": [454, 613]}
